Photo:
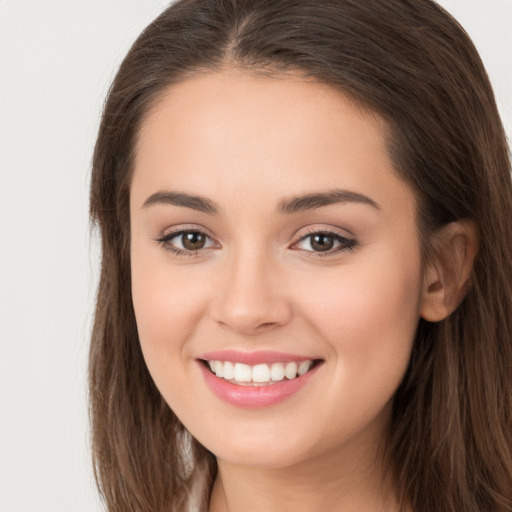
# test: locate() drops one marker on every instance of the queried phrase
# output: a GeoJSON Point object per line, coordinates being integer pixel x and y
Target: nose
{"type": "Point", "coordinates": [252, 297]}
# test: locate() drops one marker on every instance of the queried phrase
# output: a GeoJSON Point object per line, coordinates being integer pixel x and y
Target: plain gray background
{"type": "Point", "coordinates": [57, 59]}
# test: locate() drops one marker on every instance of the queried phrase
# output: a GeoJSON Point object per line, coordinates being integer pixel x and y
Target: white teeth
{"type": "Point", "coordinates": [219, 369]}
{"type": "Point", "coordinates": [277, 372]}
{"type": "Point", "coordinates": [290, 370]}
{"type": "Point", "coordinates": [229, 370]}
{"type": "Point", "coordinates": [259, 373]}
{"type": "Point", "coordinates": [242, 372]}
{"type": "Point", "coordinates": [304, 367]}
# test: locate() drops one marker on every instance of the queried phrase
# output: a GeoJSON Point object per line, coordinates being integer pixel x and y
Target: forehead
{"type": "Point", "coordinates": [230, 131]}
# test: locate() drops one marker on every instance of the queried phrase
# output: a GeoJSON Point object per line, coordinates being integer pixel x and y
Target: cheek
{"type": "Point", "coordinates": [167, 306]}
{"type": "Point", "coordinates": [368, 314]}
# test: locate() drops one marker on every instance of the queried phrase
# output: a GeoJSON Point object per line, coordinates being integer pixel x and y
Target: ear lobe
{"type": "Point", "coordinates": [448, 273]}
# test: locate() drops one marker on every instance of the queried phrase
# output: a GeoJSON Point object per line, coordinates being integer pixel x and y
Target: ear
{"type": "Point", "coordinates": [447, 274]}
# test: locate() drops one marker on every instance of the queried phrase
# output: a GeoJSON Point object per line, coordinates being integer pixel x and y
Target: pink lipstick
{"type": "Point", "coordinates": [256, 379]}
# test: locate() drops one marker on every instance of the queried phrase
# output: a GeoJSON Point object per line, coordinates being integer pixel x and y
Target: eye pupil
{"type": "Point", "coordinates": [320, 242]}
{"type": "Point", "coordinates": [193, 240]}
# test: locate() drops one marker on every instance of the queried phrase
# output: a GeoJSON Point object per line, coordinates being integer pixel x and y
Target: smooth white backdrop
{"type": "Point", "coordinates": [57, 59]}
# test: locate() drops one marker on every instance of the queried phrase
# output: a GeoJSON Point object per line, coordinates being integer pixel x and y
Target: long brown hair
{"type": "Point", "coordinates": [450, 441]}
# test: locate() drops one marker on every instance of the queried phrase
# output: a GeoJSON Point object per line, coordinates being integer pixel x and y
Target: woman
{"type": "Point", "coordinates": [305, 300]}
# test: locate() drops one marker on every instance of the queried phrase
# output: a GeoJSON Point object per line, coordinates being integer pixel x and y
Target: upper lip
{"type": "Point", "coordinates": [255, 357]}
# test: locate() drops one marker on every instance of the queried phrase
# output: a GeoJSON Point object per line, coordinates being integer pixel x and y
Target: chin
{"type": "Point", "coordinates": [261, 458]}
{"type": "Point", "coordinates": [268, 448]}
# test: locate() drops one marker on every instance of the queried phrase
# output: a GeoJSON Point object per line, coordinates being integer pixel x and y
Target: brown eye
{"type": "Point", "coordinates": [322, 242]}
{"type": "Point", "coordinates": [193, 240]}
{"type": "Point", "coordinates": [190, 242]}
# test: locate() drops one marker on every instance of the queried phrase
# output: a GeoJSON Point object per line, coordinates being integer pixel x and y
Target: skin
{"type": "Point", "coordinates": [247, 143]}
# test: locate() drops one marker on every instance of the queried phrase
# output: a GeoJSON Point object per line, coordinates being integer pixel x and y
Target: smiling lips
{"type": "Point", "coordinates": [256, 379]}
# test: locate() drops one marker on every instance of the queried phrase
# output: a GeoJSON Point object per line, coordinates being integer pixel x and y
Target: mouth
{"type": "Point", "coordinates": [257, 379]}
{"type": "Point", "coordinates": [263, 374]}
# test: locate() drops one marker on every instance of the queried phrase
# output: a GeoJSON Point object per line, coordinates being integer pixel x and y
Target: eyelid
{"type": "Point", "coordinates": [180, 228]}
{"type": "Point", "coordinates": [326, 229]}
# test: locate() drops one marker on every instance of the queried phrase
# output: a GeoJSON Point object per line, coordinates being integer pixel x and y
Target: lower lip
{"type": "Point", "coordinates": [254, 396]}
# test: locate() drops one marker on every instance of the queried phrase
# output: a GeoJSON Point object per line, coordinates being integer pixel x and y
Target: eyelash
{"type": "Point", "coordinates": [165, 242]}
{"type": "Point", "coordinates": [345, 244]}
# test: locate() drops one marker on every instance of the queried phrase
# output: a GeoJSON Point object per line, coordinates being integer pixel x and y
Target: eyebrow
{"type": "Point", "coordinates": [199, 203]}
{"type": "Point", "coordinates": [319, 199]}
{"type": "Point", "coordinates": [287, 206]}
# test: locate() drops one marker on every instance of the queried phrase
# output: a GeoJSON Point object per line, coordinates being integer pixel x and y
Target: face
{"type": "Point", "coordinates": [272, 240]}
